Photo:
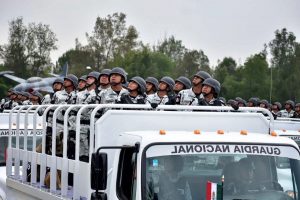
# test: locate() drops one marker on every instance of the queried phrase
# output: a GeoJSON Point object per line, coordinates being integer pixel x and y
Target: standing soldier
{"type": "Point", "coordinates": [26, 98]}
{"type": "Point", "coordinates": [275, 109]}
{"type": "Point", "coordinates": [288, 111]}
{"type": "Point", "coordinates": [192, 95]}
{"type": "Point", "coordinates": [240, 102]}
{"type": "Point", "coordinates": [104, 80]}
{"type": "Point", "coordinates": [36, 98]}
{"type": "Point", "coordinates": [56, 86]}
{"type": "Point", "coordinates": [12, 102]}
{"type": "Point", "coordinates": [88, 96]}
{"type": "Point", "coordinates": [6, 99]}
{"type": "Point", "coordinates": [163, 95]}
{"type": "Point", "coordinates": [136, 95]}
{"type": "Point", "coordinates": [253, 102]}
{"type": "Point", "coordinates": [297, 111]}
{"type": "Point", "coordinates": [181, 83]}
{"type": "Point", "coordinates": [113, 94]}
{"type": "Point", "coordinates": [151, 85]}
{"type": "Point", "coordinates": [264, 104]}
{"type": "Point", "coordinates": [210, 90]}
{"type": "Point", "coordinates": [81, 83]}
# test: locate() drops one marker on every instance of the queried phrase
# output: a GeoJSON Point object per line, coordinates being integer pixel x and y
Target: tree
{"type": "Point", "coordinates": [283, 51]}
{"type": "Point", "coordinates": [13, 53]}
{"type": "Point", "coordinates": [40, 41]}
{"type": "Point", "coordinates": [111, 38]}
{"type": "Point", "coordinates": [28, 50]}
{"type": "Point", "coordinates": [144, 62]}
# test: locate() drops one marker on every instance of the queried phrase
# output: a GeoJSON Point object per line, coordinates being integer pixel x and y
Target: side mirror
{"type": "Point", "coordinates": [99, 171]}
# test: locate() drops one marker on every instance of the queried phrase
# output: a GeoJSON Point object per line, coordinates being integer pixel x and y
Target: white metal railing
{"type": "Point", "coordinates": [63, 163]}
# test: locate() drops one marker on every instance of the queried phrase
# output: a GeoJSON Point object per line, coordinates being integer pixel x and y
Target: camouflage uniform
{"type": "Point", "coordinates": [155, 99]}
{"type": "Point", "coordinates": [187, 97]}
{"type": "Point", "coordinates": [83, 97]}
{"type": "Point", "coordinates": [285, 113]}
{"type": "Point", "coordinates": [109, 96]}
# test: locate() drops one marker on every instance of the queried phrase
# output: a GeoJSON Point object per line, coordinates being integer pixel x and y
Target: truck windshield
{"type": "Point", "coordinates": [216, 172]}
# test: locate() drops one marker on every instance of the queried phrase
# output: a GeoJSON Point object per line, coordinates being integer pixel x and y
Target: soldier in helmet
{"type": "Point", "coordinates": [192, 95]}
{"type": "Point", "coordinates": [66, 96]}
{"type": "Point", "coordinates": [240, 102]}
{"type": "Point", "coordinates": [210, 90]}
{"type": "Point", "coordinates": [117, 77]}
{"type": "Point", "coordinates": [36, 98]}
{"type": "Point", "coordinates": [151, 85]}
{"type": "Point", "coordinates": [264, 104]}
{"type": "Point", "coordinates": [88, 96]}
{"type": "Point", "coordinates": [26, 98]}
{"type": "Point", "coordinates": [136, 88]}
{"type": "Point", "coordinates": [288, 111]}
{"type": "Point", "coordinates": [82, 83]}
{"type": "Point", "coordinates": [297, 111]}
{"type": "Point", "coordinates": [12, 102]}
{"type": "Point", "coordinates": [275, 109]}
{"type": "Point", "coordinates": [104, 79]}
{"type": "Point", "coordinates": [163, 95]}
{"type": "Point", "coordinates": [56, 86]}
{"type": "Point", "coordinates": [253, 102]}
{"type": "Point", "coordinates": [6, 99]}
{"type": "Point", "coordinates": [181, 83]}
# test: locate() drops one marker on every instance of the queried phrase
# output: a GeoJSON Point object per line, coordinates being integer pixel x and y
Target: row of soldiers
{"type": "Point", "coordinates": [111, 86]}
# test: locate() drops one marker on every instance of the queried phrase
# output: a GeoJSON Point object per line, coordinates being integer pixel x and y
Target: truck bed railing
{"type": "Point", "coordinates": [66, 165]}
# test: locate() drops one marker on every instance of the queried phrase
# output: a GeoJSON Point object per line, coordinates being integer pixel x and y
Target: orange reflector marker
{"type": "Point", "coordinates": [162, 132]}
{"type": "Point", "coordinates": [197, 132]}
{"type": "Point", "coordinates": [273, 133]}
{"type": "Point", "coordinates": [244, 132]}
{"type": "Point", "coordinates": [220, 132]}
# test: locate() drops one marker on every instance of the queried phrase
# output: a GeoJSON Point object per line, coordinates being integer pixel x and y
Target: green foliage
{"type": "Point", "coordinates": [110, 38]}
{"type": "Point", "coordinates": [28, 50]}
{"type": "Point", "coordinates": [77, 60]}
{"type": "Point", "coordinates": [145, 63]}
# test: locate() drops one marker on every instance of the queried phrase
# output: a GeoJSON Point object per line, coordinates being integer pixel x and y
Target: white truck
{"type": "Point", "coordinates": [168, 152]}
{"type": "Point", "coordinates": [288, 127]}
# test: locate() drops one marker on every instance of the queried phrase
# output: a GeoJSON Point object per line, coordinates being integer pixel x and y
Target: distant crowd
{"type": "Point", "coordinates": [111, 86]}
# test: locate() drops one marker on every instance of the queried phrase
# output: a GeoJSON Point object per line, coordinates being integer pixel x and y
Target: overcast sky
{"type": "Point", "coordinates": [236, 28]}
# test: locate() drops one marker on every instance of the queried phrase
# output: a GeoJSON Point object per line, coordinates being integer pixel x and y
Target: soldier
{"type": "Point", "coordinates": [275, 109]}
{"type": "Point", "coordinates": [56, 86]}
{"type": "Point", "coordinates": [210, 90]}
{"type": "Point", "coordinates": [288, 111]}
{"type": "Point", "coordinates": [36, 98]}
{"type": "Point", "coordinates": [26, 98]}
{"type": "Point", "coordinates": [163, 95]}
{"type": "Point", "coordinates": [151, 85]}
{"type": "Point", "coordinates": [181, 83]}
{"type": "Point", "coordinates": [117, 77]}
{"type": "Point", "coordinates": [81, 83]}
{"type": "Point", "coordinates": [192, 95]}
{"type": "Point", "coordinates": [264, 104]}
{"type": "Point", "coordinates": [297, 111]}
{"type": "Point", "coordinates": [11, 103]}
{"type": "Point", "coordinates": [253, 102]}
{"type": "Point", "coordinates": [88, 96]}
{"type": "Point", "coordinates": [6, 99]}
{"type": "Point", "coordinates": [136, 95]}
{"type": "Point", "coordinates": [240, 102]}
{"type": "Point", "coordinates": [104, 80]}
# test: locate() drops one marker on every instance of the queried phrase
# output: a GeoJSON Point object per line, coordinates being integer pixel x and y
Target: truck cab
{"type": "Point", "coordinates": [167, 152]}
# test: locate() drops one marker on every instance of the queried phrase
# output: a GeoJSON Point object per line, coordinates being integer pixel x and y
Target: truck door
{"type": "Point", "coordinates": [126, 182]}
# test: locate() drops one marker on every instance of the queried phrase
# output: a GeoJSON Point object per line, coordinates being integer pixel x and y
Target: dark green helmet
{"type": "Point", "coordinates": [185, 81]}
{"type": "Point", "coordinates": [169, 81]}
{"type": "Point", "coordinates": [214, 84]}
{"type": "Point", "coordinates": [120, 71]}
{"type": "Point", "coordinates": [141, 83]}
